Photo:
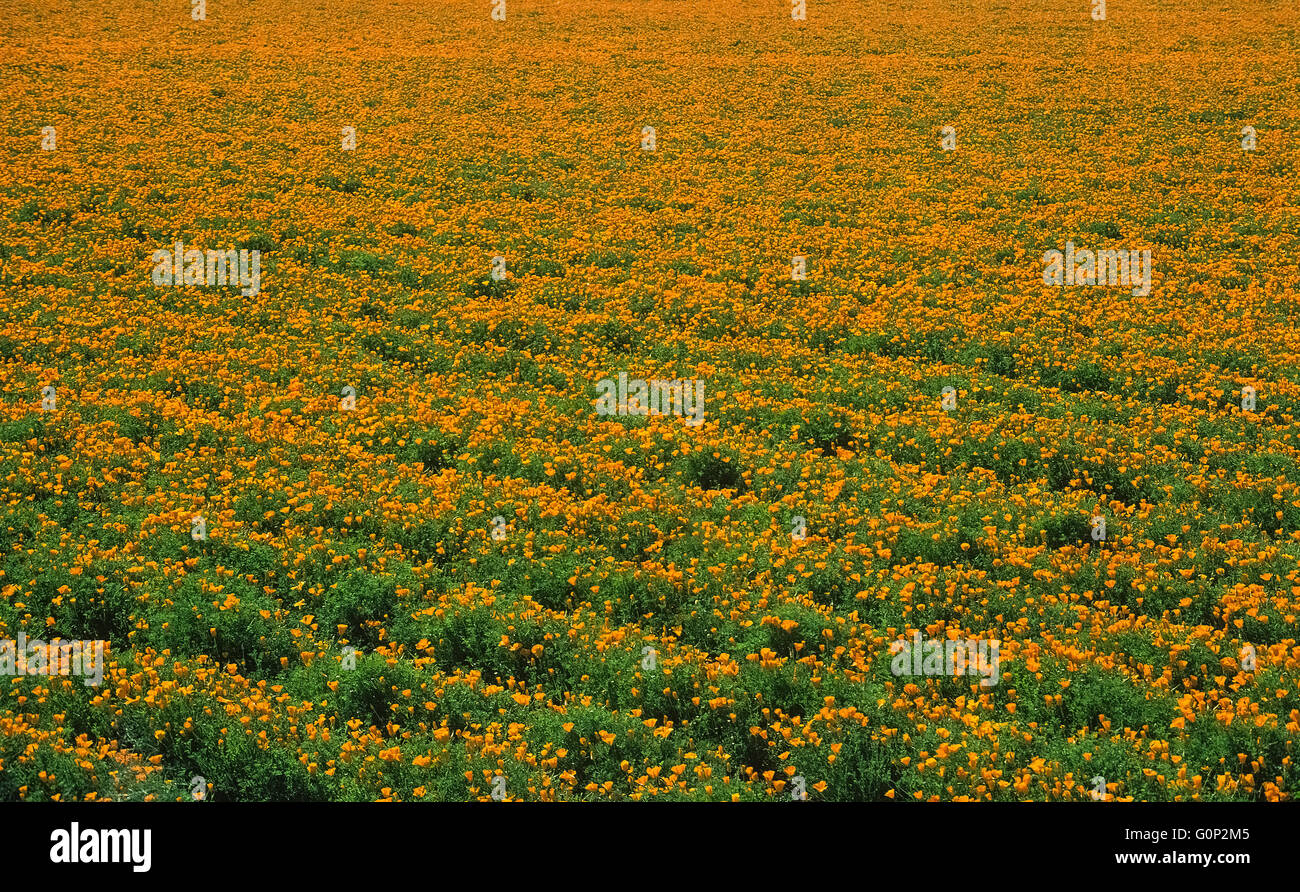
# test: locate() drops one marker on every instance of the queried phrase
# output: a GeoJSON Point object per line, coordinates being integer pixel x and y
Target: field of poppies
{"type": "Point", "coordinates": [370, 512]}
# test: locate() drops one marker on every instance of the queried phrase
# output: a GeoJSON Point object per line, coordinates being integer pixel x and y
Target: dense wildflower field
{"type": "Point", "coordinates": [386, 524]}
